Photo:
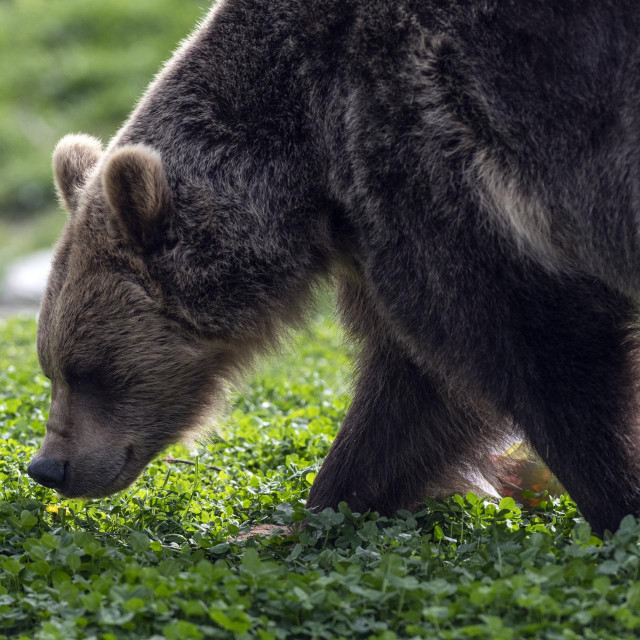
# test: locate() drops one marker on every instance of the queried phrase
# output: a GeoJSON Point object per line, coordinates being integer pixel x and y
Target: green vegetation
{"type": "Point", "coordinates": [164, 559]}
{"type": "Point", "coordinates": [69, 66]}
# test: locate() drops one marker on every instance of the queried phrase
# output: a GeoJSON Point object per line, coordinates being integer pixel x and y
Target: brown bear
{"type": "Point", "coordinates": [467, 172]}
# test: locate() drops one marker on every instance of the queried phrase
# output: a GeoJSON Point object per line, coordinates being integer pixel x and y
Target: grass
{"type": "Point", "coordinates": [74, 65]}
{"type": "Point", "coordinates": [164, 558]}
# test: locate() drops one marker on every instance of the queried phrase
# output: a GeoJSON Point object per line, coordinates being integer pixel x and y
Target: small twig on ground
{"type": "Point", "coordinates": [182, 461]}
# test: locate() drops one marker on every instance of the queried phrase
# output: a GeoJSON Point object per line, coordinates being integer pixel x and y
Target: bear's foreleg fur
{"type": "Point", "coordinates": [405, 435]}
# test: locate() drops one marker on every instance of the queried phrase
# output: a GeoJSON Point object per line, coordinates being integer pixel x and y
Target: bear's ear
{"type": "Point", "coordinates": [136, 188]}
{"type": "Point", "coordinates": [73, 158]}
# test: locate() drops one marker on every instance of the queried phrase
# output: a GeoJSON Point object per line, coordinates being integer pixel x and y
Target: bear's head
{"type": "Point", "coordinates": [127, 379]}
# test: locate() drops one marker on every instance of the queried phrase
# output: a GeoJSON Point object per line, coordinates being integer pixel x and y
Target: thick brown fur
{"type": "Point", "coordinates": [471, 172]}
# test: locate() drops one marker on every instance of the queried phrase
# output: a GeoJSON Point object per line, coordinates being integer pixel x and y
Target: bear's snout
{"type": "Point", "coordinates": [48, 472]}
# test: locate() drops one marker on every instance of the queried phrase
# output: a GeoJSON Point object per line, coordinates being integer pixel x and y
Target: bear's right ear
{"type": "Point", "coordinates": [137, 191]}
{"type": "Point", "coordinates": [73, 158]}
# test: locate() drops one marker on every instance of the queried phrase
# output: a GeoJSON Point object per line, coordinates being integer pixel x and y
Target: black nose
{"type": "Point", "coordinates": [47, 472]}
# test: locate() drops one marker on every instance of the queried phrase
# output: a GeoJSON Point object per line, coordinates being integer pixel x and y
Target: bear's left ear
{"type": "Point", "coordinates": [136, 188]}
{"type": "Point", "coordinates": [74, 157]}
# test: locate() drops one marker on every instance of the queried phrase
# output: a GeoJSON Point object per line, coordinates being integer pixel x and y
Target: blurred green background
{"type": "Point", "coordinates": [70, 66]}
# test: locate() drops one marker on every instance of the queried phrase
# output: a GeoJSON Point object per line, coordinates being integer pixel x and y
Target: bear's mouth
{"type": "Point", "coordinates": [128, 471]}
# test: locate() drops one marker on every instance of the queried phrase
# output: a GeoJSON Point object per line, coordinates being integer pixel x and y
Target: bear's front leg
{"type": "Point", "coordinates": [403, 435]}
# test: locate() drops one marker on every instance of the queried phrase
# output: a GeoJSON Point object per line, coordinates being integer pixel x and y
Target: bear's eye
{"type": "Point", "coordinates": [82, 378]}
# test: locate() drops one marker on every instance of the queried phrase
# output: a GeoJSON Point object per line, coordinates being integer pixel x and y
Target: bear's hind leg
{"type": "Point", "coordinates": [585, 421]}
